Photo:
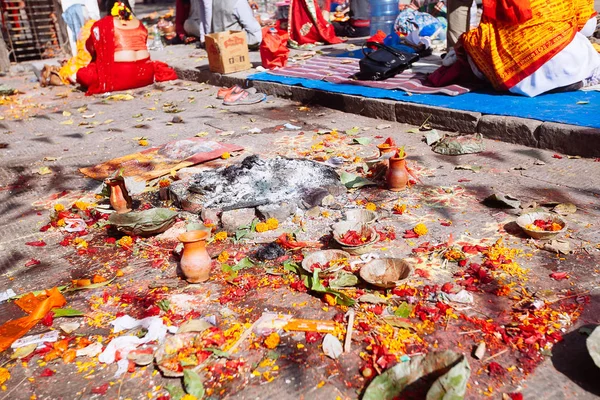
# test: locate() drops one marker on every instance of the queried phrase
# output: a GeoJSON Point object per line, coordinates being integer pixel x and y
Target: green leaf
{"type": "Point", "coordinates": [218, 352]}
{"type": "Point", "coordinates": [289, 265]}
{"type": "Point", "coordinates": [403, 310]}
{"type": "Point", "coordinates": [255, 222]}
{"type": "Point", "coordinates": [193, 383]}
{"type": "Point", "coordinates": [362, 140]}
{"type": "Point", "coordinates": [452, 371]}
{"type": "Point", "coordinates": [22, 352]}
{"type": "Point", "coordinates": [353, 131]}
{"type": "Point", "coordinates": [240, 234]}
{"type": "Point", "coordinates": [67, 312]}
{"type": "Point", "coordinates": [92, 286]}
{"type": "Point", "coordinates": [164, 304]}
{"type": "Point", "coordinates": [352, 181]}
{"type": "Point", "coordinates": [398, 322]}
{"type": "Point", "coordinates": [243, 264]}
{"type": "Point", "coordinates": [344, 279]}
{"type": "Point", "coordinates": [314, 283]}
{"type": "Point", "coordinates": [175, 392]}
{"type": "Point", "coordinates": [228, 269]}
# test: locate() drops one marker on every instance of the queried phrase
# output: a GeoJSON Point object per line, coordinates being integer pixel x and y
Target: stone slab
{"type": "Point", "coordinates": [510, 129]}
{"type": "Point", "coordinates": [570, 139]}
{"type": "Point", "coordinates": [437, 117]}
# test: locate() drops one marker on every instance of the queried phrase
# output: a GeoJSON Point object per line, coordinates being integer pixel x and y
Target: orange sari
{"type": "Point", "coordinates": [508, 53]}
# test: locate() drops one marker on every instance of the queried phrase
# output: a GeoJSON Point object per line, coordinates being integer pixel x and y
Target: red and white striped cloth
{"type": "Point", "coordinates": [340, 69]}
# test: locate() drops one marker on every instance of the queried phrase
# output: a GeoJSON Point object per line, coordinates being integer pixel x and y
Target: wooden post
{"type": "Point", "coordinates": [4, 54]}
{"type": "Point", "coordinates": [61, 29]}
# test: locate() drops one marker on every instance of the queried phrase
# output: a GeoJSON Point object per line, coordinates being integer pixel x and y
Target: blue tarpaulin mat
{"type": "Point", "coordinates": [556, 107]}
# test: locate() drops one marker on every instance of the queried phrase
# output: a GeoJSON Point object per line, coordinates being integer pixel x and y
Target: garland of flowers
{"type": "Point", "coordinates": [121, 11]}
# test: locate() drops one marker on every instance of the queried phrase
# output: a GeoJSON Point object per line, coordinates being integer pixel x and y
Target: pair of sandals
{"type": "Point", "coordinates": [236, 95]}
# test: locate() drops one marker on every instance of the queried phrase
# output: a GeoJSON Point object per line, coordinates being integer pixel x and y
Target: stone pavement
{"type": "Point", "coordinates": [63, 130]}
{"type": "Point", "coordinates": [192, 64]}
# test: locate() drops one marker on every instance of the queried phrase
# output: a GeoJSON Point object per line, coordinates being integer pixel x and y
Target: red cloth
{"type": "Point", "coordinates": [508, 11]}
{"type": "Point", "coordinates": [458, 73]}
{"type": "Point", "coordinates": [131, 39]}
{"type": "Point", "coordinates": [273, 49]}
{"type": "Point", "coordinates": [182, 12]}
{"type": "Point", "coordinates": [378, 37]}
{"type": "Point", "coordinates": [103, 74]}
{"type": "Point", "coordinates": [306, 27]}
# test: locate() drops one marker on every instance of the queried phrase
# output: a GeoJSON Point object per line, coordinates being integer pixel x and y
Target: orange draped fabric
{"type": "Point", "coordinates": [506, 53]}
{"type": "Point", "coordinates": [37, 307]}
{"type": "Point", "coordinates": [82, 58]}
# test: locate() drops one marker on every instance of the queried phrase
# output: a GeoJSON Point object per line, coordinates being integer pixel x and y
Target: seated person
{"type": "Point", "coordinates": [120, 57]}
{"type": "Point", "coordinates": [359, 22]}
{"type": "Point", "coordinates": [199, 22]}
{"type": "Point", "coordinates": [236, 15]}
{"type": "Point", "coordinates": [536, 48]}
{"type": "Point", "coordinates": [307, 27]}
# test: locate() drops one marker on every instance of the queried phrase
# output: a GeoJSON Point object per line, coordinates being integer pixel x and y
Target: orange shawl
{"type": "Point", "coordinates": [508, 53]}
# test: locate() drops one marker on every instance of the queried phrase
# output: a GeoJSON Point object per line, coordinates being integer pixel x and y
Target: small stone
{"type": "Point", "coordinates": [328, 200]}
{"type": "Point", "coordinates": [211, 214]}
{"type": "Point", "coordinates": [235, 219]}
{"type": "Point", "coordinates": [178, 190]}
{"type": "Point", "coordinates": [278, 211]}
{"type": "Point", "coordinates": [313, 212]}
{"type": "Point", "coordinates": [312, 197]}
{"type": "Point", "coordinates": [270, 251]}
{"type": "Point", "coordinates": [177, 120]}
{"type": "Point", "coordinates": [538, 162]}
{"type": "Point", "coordinates": [480, 351]}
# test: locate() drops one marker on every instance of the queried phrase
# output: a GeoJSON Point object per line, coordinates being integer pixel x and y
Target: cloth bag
{"type": "Point", "coordinates": [273, 49]}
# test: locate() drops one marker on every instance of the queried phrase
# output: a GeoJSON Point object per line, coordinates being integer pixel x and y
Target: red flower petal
{"type": "Point", "coordinates": [39, 243]}
{"type": "Point", "coordinates": [559, 276]}
{"type": "Point", "coordinates": [47, 372]}
{"type": "Point", "coordinates": [32, 262]}
{"type": "Point", "coordinates": [48, 319]}
{"type": "Point", "coordinates": [100, 389]}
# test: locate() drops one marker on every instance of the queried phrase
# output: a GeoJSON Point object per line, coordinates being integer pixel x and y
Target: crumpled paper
{"type": "Point", "coordinates": [37, 307]}
{"type": "Point", "coordinates": [156, 331]}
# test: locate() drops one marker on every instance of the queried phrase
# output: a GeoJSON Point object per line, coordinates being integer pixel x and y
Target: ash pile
{"type": "Point", "coordinates": [271, 187]}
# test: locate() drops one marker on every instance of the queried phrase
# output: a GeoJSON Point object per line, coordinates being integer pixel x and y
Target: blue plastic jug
{"type": "Point", "coordinates": [383, 15]}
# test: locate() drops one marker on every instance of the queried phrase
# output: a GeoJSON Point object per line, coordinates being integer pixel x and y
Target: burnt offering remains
{"type": "Point", "coordinates": [255, 182]}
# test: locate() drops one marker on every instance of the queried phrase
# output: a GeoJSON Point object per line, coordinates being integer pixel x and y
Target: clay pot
{"type": "Point", "coordinates": [195, 262]}
{"type": "Point", "coordinates": [385, 150]}
{"type": "Point", "coordinates": [119, 198]}
{"type": "Point", "coordinates": [397, 175]}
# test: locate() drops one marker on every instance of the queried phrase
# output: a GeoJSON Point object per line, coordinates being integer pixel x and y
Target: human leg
{"type": "Point", "coordinates": [458, 20]}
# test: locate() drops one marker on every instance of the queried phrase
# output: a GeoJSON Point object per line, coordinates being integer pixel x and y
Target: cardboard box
{"type": "Point", "coordinates": [227, 52]}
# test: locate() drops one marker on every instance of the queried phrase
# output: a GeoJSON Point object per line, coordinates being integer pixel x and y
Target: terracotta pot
{"type": "Point", "coordinates": [195, 261]}
{"type": "Point", "coordinates": [397, 175]}
{"type": "Point", "coordinates": [119, 198]}
{"type": "Point", "coordinates": [385, 150]}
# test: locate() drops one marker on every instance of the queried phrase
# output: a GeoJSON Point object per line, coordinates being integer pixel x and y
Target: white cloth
{"type": "Point", "coordinates": [575, 63]}
{"type": "Point", "coordinates": [90, 5]}
{"type": "Point", "coordinates": [199, 22]}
